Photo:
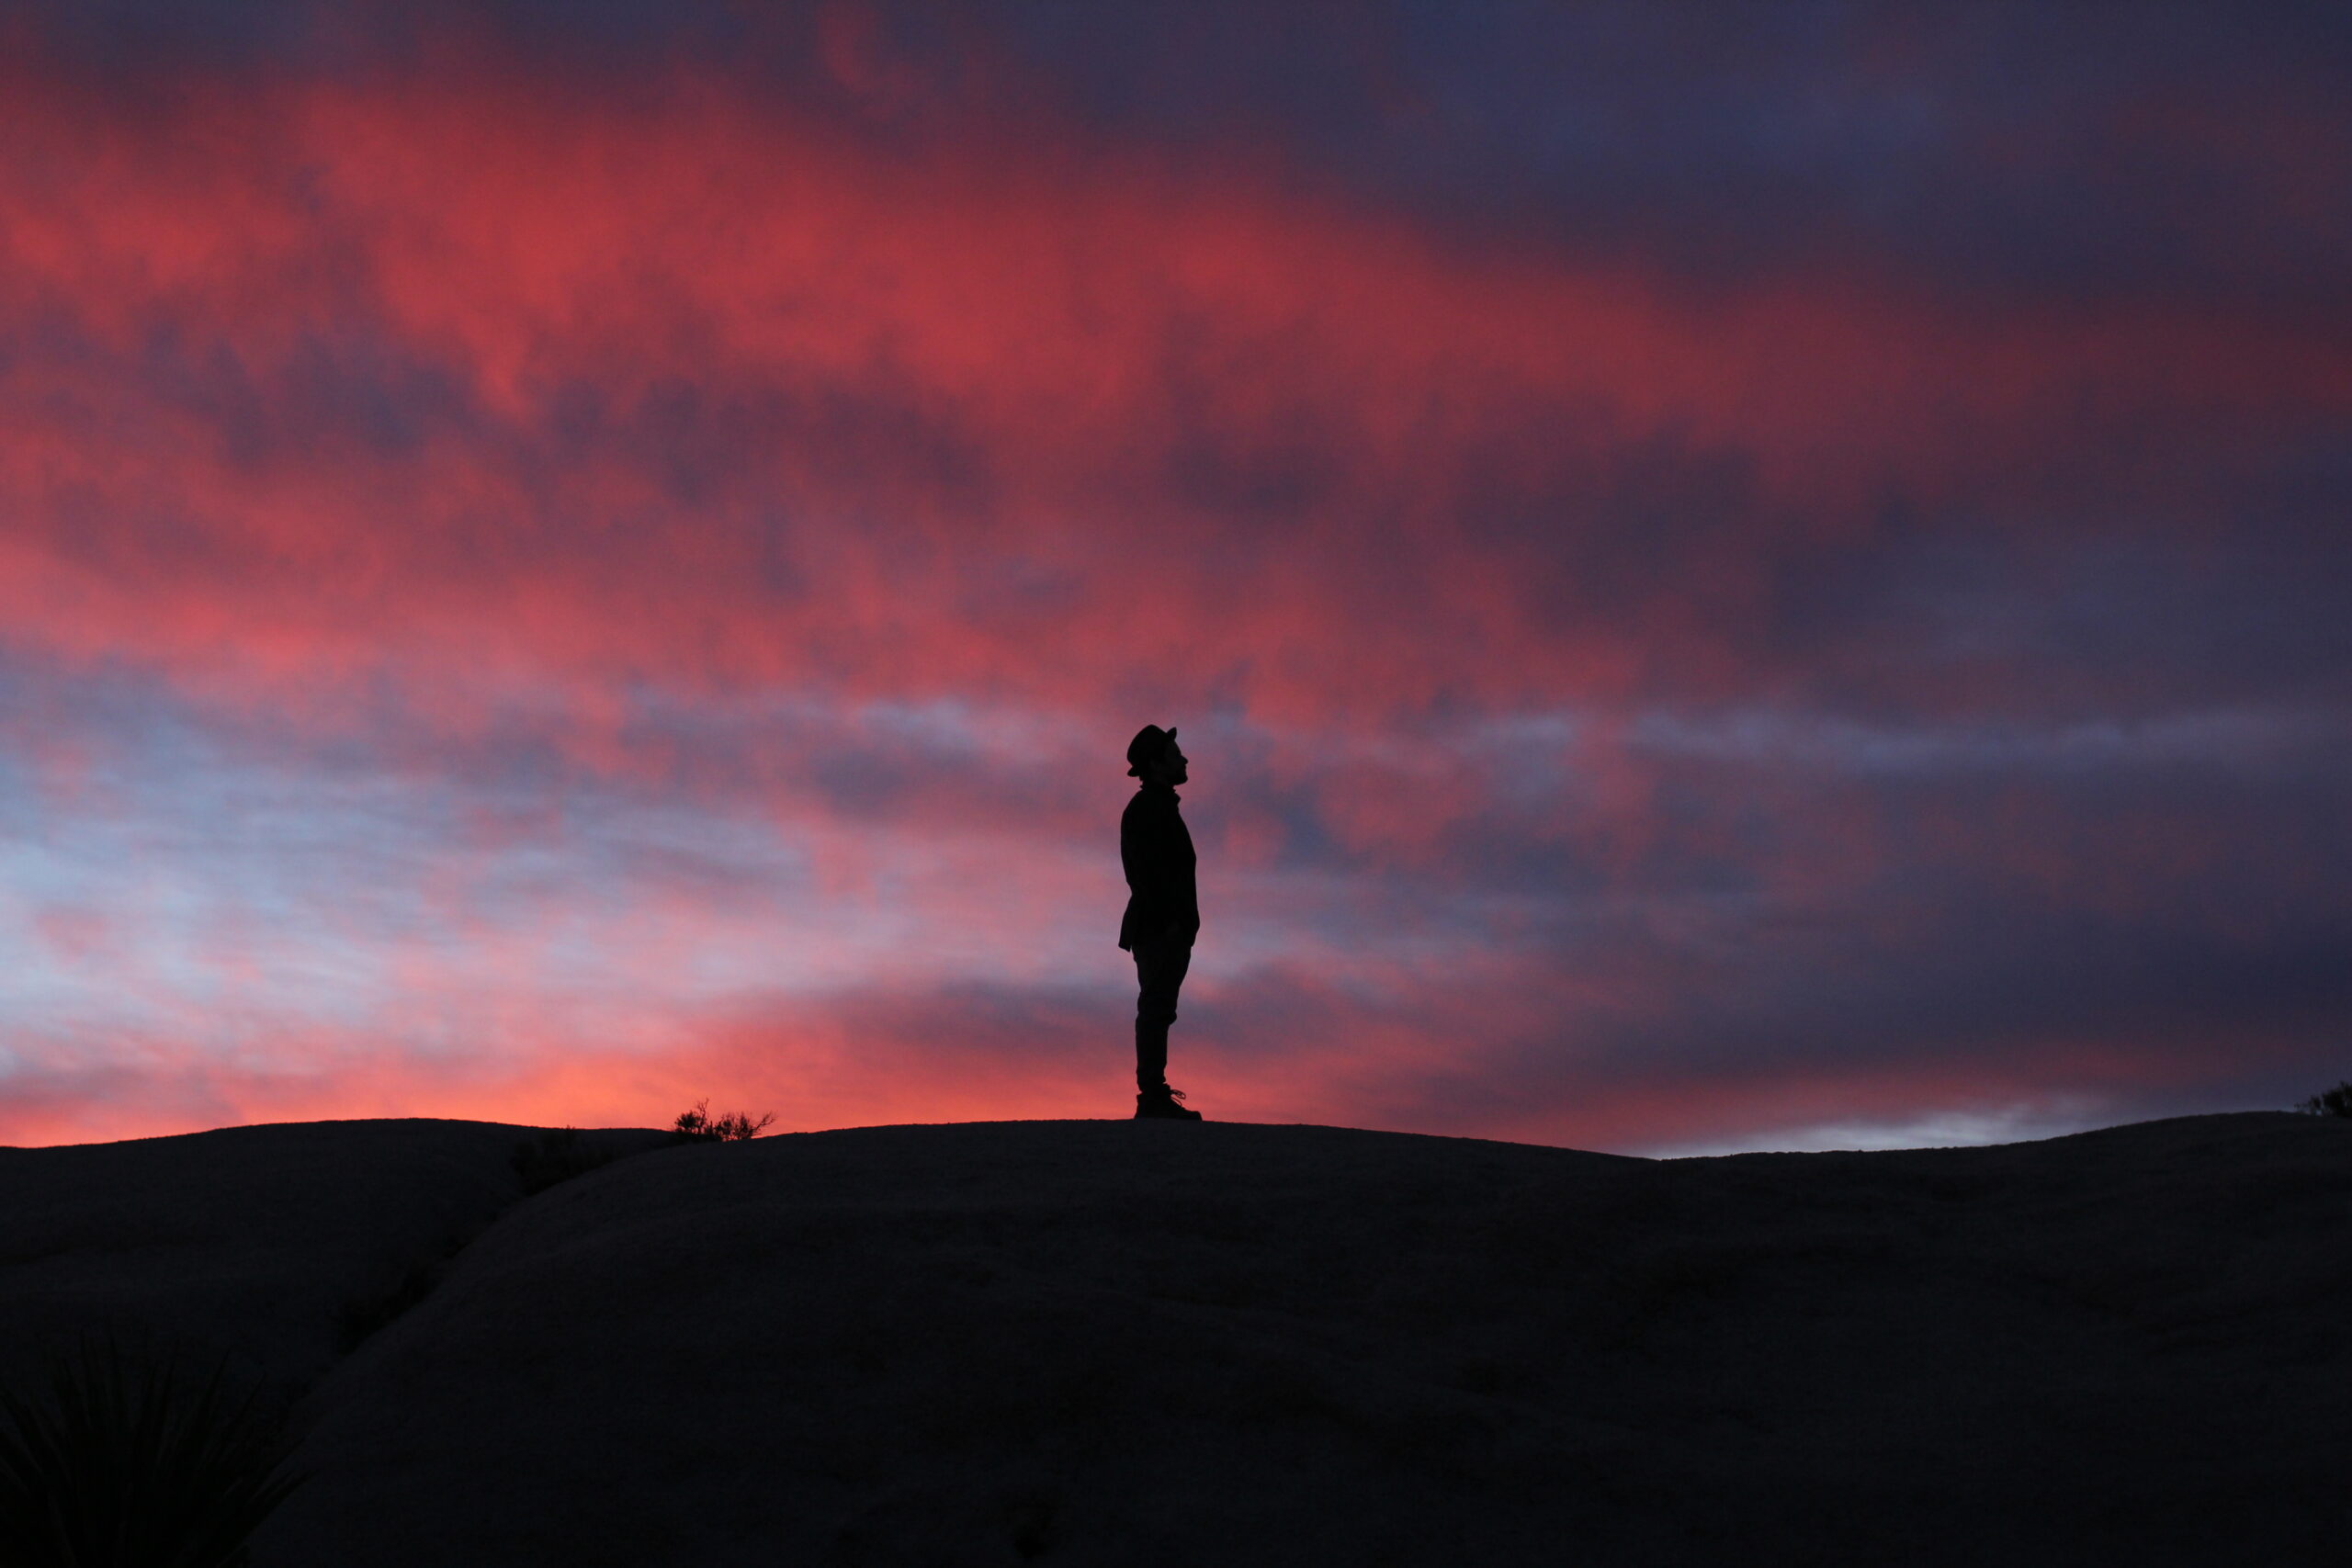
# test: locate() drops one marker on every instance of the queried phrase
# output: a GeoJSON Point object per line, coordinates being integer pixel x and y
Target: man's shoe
{"type": "Point", "coordinates": [1163, 1104]}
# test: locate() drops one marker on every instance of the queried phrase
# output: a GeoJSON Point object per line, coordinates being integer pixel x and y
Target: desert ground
{"type": "Point", "coordinates": [1108, 1342]}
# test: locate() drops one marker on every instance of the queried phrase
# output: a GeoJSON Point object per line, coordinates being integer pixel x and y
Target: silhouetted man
{"type": "Point", "coordinates": [1163, 911]}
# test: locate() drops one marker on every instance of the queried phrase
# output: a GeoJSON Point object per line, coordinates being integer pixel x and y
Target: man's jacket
{"type": "Point", "coordinates": [1158, 854]}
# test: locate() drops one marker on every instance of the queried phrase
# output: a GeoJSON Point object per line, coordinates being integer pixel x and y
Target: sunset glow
{"type": "Point", "coordinates": [1752, 584]}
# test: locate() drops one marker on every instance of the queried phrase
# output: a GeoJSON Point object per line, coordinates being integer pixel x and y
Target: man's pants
{"type": "Point", "coordinates": [1160, 970]}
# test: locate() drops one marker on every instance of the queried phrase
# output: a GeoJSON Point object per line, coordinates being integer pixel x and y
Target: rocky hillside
{"type": "Point", "coordinates": [1121, 1343]}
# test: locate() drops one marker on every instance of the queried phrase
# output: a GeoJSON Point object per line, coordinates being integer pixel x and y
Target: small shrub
{"type": "Point", "coordinates": [2337, 1101]}
{"type": "Point", "coordinates": [361, 1316]}
{"type": "Point", "coordinates": [131, 1459]}
{"type": "Point", "coordinates": [740, 1126]}
{"type": "Point", "coordinates": [699, 1127]}
{"type": "Point", "coordinates": [555, 1156]}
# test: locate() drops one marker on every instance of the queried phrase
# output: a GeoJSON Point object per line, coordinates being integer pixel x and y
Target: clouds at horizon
{"type": "Point", "coordinates": [546, 570]}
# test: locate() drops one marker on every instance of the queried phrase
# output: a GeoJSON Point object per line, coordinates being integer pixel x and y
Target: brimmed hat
{"type": "Point", "coordinates": [1149, 742]}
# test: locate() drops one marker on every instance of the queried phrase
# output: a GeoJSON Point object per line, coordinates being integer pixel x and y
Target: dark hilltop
{"type": "Point", "coordinates": [1078, 1342]}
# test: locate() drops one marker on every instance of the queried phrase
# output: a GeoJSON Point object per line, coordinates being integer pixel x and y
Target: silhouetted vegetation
{"type": "Point", "coordinates": [129, 1460]}
{"type": "Point", "coordinates": [2337, 1101]}
{"type": "Point", "coordinates": [558, 1155]}
{"type": "Point", "coordinates": [699, 1127]}
{"type": "Point", "coordinates": [362, 1316]}
{"type": "Point", "coordinates": [541, 1162]}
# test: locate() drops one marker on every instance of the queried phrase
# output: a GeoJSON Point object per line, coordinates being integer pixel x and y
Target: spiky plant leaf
{"type": "Point", "coordinates": [123, 1460]}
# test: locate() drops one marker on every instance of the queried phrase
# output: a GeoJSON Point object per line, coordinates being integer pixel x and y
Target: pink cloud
{"type": "Point", "coordinates": [521, 439]}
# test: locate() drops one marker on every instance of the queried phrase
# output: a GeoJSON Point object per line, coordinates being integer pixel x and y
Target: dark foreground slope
{"type": "Point", "coordinates": [279, 1242]}
{"type": "Point", "coordinates": [1113, 1343]}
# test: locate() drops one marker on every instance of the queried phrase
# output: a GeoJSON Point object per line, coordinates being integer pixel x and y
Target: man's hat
{"type": "Point", "coordinates": [1149, 742]}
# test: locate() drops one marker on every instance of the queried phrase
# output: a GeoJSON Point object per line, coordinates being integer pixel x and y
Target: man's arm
{"type": "Point", "coordinates": [1172, 854]}
{"type": "Point", "coordinates": [1150, 853]}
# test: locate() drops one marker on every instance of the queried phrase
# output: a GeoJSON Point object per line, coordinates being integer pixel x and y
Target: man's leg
{"type": "Point", "coordinates": [1159, 973]}
{"type": "Point", "coordinates": [1151, 1054]}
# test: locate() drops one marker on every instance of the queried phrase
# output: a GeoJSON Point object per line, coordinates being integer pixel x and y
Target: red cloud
{"type": "Point", "coordinates": [1012, 416]}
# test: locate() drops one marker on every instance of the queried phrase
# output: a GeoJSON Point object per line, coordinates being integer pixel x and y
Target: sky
{"type": "Point", "coordinates": [1732, 577]}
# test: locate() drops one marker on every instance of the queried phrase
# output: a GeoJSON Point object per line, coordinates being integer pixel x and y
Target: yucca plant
{"type": "Point", "coordinates": [115, 1460]}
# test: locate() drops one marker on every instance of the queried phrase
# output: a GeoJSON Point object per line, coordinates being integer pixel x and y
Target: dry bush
{"type": "Point", "coordinates": [554, 1157]}
{"type": "Point", "coordinates": [2337, 1101]}
{"type": "Point", "coordinates": [699, 1127]}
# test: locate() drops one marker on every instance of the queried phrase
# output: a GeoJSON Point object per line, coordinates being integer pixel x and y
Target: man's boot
{"type": "Point", "coordinates": [1163, 1104]}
